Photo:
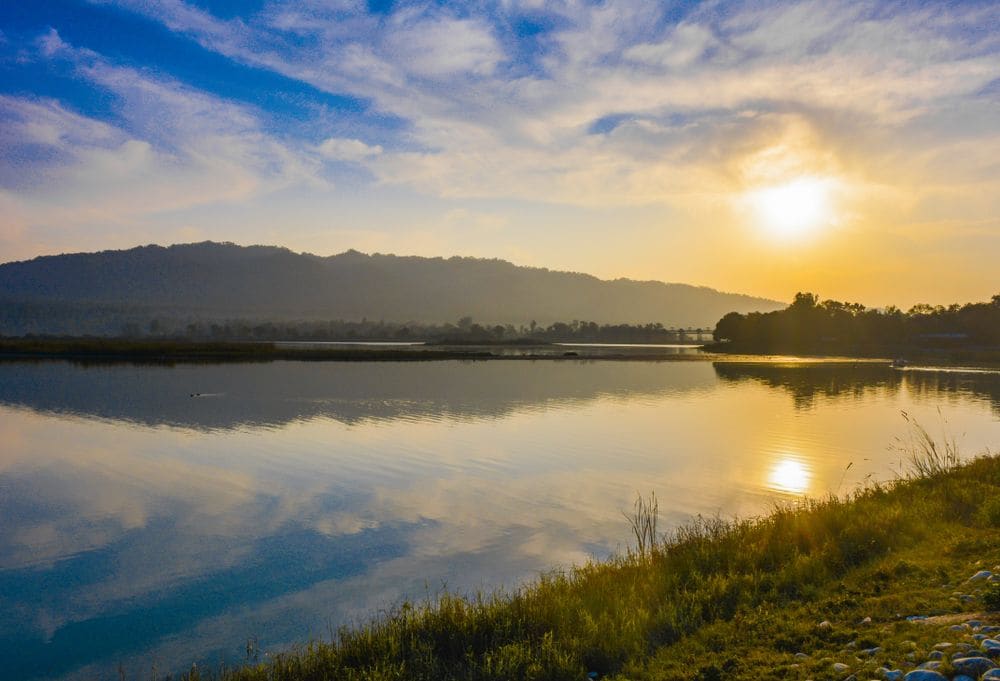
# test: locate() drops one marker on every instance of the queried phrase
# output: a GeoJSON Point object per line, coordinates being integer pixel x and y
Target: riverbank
{"type": "Point", "coordinates": [167, 351]}
{"type": "Point", "coordinates": [970, 357]}
{"type": "Point", "coordinates": [866, 585]}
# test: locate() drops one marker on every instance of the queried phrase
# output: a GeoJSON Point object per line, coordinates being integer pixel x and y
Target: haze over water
{"type": "Point", "coordinates": [145, 525]}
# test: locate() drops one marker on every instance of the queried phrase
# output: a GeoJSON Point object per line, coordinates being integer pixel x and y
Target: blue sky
{"type": "Point", "coordinates": [843, 147]}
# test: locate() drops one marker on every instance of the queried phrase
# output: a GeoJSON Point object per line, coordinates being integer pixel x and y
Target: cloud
{"type": "Point", "coordinates": [443, 46]}
{"type": "Point", "coordinates": [170, 148]}
{"type": "Point", "coordinates": [341, 149]}
{"type": "Point", "coordinates": [622, 103]}
{"type": "Point", "coordinates": [498, 132]}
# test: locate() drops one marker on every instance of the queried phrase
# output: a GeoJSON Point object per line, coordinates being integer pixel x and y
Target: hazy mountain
{"type": "Point", "coordinates": [225, 281]}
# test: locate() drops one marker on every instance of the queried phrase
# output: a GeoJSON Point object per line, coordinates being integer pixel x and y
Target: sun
{"type": "Point", "coordinates": [795, 209]}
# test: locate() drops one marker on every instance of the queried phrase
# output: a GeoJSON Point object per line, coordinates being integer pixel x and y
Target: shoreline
{"type": "Point", "coordinates": [117, 351]}
{"type": "Point", "coordinates": [875, 583]}
{"type": "Point", "coordinates": [120, 350]}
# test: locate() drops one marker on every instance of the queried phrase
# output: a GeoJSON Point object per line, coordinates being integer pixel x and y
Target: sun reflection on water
{"type": "Point", "coordinates": [789, 475]}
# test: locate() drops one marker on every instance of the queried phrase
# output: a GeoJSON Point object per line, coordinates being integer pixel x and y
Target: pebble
{"type": "Point", "coordinates": [973, 666]}
{"type": "Point", "coordinates": [982, 574]}
{"type": "Point", "coordinates": [930, 664]}
{"type": "Point", "coordinates": [962, 677]}
{"type": "Point", "coordinates": [839, 667]}
{"type": "Point", "coordinates": [893, 675]}
{"type": "Point", "coordinates": [942, 645]}
{"type": "Point", "coordinates": [925, 675]}
{"type": "Point", "coordinates": [824, 625]}
{"type": "Point", "coordinates": [991, 675]}
{"type": "Point", "coordinates": [990, 645]}
{"type": "Point", "coordinates": [935, 655]}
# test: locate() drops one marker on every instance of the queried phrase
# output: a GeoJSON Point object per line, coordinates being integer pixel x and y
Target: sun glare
{"type": "Point", "coordinates": [789, 475]}
{"type": "Point", "coordinates": [795, 209]}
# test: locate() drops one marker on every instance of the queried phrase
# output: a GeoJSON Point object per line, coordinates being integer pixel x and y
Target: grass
{"type": "Point", "coordinates": [714, 599]}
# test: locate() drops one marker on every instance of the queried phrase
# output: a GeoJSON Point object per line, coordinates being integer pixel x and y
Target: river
{"type": "Point", "coordinates": [159, 516]}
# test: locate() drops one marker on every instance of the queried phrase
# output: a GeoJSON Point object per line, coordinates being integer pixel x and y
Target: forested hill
{"type": "Point", "coordinates": [226, 281]}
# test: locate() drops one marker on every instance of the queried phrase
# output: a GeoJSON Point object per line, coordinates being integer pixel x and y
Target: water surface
{"type": "Point", "coordinates": [158, 515]}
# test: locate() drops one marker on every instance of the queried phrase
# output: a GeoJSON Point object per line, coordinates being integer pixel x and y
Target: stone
{"type": "Point", "coordinates": [990, 645]}
{"type": "Point", "coordinates": [935, 655]}
{"type": "Point", "coordinates": [991, 675]}
{"type": "Point", "coordinates": [839, 667]}
{"type": "Point", "coordinates": [801, 656]}
{"type": "Point", "coordinates": [925, 675]}
{"type": "Point", "coordinates": [930, 664]}
{"type": "Point", "coordinates": [962, 677]}
{"type": "Point", "coordinates": [824, 625]}
{"type": "Point", "coordinates": [973, 666]}
{"type": "Point", "coordinates": [943, 645]}
{"type": "Point", "coordinates": [981, 575]}
{"type": "Point", "coordinates": [893, 675]}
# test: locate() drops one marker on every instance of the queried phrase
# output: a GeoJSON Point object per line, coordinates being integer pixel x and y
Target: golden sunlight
{"type": "Point", "coordinates": [794, 209]}
{"type": "Point", "coordinates": [789, 475]}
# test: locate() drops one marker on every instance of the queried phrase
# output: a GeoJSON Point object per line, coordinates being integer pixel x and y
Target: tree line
{"type": "Point", "coordinates": [809, 325]}
{"type": "Point", "coordinates": [38, 320]}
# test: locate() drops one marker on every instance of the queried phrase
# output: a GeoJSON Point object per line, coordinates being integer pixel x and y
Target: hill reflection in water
{"type": "Point", "coordinates": [270, 395]}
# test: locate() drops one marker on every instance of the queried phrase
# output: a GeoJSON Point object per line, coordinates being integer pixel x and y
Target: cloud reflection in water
{"type": "Point", "coordinates": [313, 494]}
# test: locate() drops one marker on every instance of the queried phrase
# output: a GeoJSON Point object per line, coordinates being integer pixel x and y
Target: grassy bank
{"type": "Point", "coordinates": [779, 597]}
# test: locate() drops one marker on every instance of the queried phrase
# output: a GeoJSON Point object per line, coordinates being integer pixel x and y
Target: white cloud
{"type": "Point", "coordinates": [341, 149]}
{"type": "Point", "coordinates": [443, 46]}
{"type": "Point", "coordinates": [895, 98]}
{"type": "Point", "coordinates": [173, 148]}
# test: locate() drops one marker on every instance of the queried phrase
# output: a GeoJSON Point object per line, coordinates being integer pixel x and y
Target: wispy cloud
{"type": "Point", "coordinates": [169, 148]}
{"type": "Point", "coordinates": [476, 126]}
{"type": "Point", "coordinates": [578, 104]}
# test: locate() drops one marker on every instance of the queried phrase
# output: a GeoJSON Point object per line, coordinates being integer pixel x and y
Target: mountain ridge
{"type": "Point", "coordinates": [225, 280]}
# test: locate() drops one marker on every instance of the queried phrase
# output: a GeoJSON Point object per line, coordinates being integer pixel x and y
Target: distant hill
{"type": "Point", "coordinates": [225, 281]}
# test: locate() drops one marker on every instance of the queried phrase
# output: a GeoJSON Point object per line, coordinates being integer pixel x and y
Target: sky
{"type": "Point", "coordinates": [851, 149]}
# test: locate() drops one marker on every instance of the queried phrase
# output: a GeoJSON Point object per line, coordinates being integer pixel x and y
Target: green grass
{"type": "Point", "coordinates": [715, 599]}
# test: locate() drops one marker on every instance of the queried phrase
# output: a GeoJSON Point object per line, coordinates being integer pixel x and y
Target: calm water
{"type": "Point", "coordinates": [142, 525]}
